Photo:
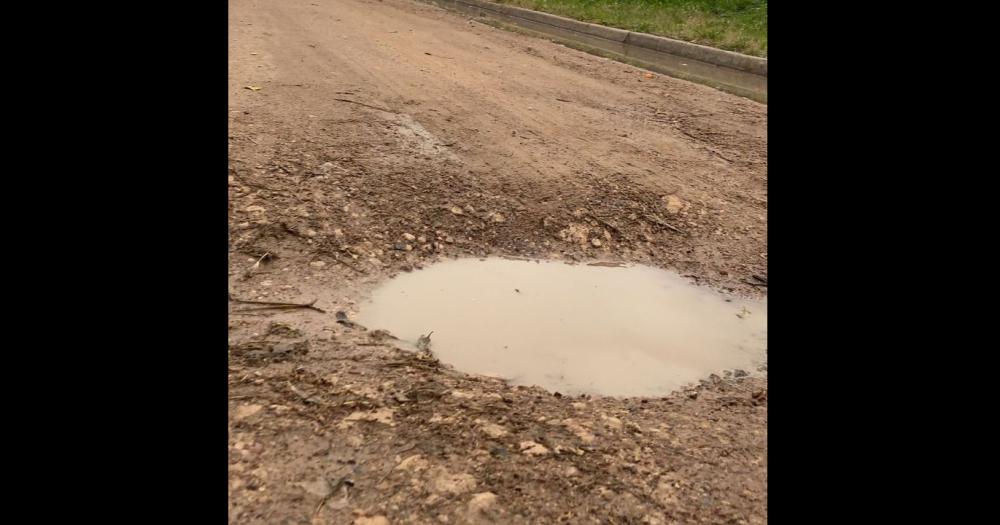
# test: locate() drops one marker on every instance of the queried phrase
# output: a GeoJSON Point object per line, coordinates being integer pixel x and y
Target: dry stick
{"type": "Point", "coordinates": [365, 105]}
{"type": "Point", "coordinates": [661, 222]}
{"type": "Point", "coordinates": [272, 305]}
{"type": "Point", "coordinates": [349, 265]}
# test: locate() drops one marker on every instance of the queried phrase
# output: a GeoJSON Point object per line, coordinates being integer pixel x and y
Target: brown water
{"type": "Point", "coordinates": [632, 331]}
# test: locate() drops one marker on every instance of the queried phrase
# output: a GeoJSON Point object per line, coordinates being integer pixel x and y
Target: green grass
{"type": "Point", "coordinates": [736, 25]}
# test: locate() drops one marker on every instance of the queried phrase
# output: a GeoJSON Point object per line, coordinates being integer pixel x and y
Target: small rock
{"type": "Point", "coordinates": [317, 264]}
{"type": "Point", "coordinates": [497, 217]}
{"type": "Point", "coordinates": [533, 449]}
{"type": "Point", "coordinates": [494, 430]}
{"type": "Point", "coordinates": [320, 487]}
{"type": "Point", "coordinates": [311, 233]}
{"type": "Point", "coordinates": [422, 239]}
{"type": "Point", "coordinates": [759, 396]}
{"type": "Point", "coordinates": [456, 210]}
{"type": "Point", "coordinates": [409, 236]}
{"type": "Point", "coordinates": [372, 520]}
{"type": "Point", "coordinates": [415, 462]}
{"type": "Point", "coordinates": [245, 411]}
{"type": "Point", "coordinates": [408, 247]}
{"type": "Point", "coordinates": [383, 415]}
{"type": "Point", "coordinates": [740, 373]}
{"type": "Point", "coordinates": [673, 204]}
{"type": "Point", "coordinates": [337, 232]}
{"type": "Point", "coordinates": [596, 242]}
{"type": "Point", "coordinates": [399, 247]}
{"type": "Point", "coordinates": [482, 503]}
{"type": "Point", "coordinates": [255, 209]}
{"type": "Point", "coordinates": [613, 423]}
{"type": "Point", "coordinates": [326, 168]}
{"type": "Point", "coordinates": [446, 482]}
{"type": "Point", "coordinates": [571, 471]}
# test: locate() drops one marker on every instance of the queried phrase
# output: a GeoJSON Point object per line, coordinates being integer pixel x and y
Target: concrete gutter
{"type": "Point", "coordinates": [736, 73]}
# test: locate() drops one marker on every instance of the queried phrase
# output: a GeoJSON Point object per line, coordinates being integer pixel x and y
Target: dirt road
{"type": "Point", "coordinates": [380, 136]}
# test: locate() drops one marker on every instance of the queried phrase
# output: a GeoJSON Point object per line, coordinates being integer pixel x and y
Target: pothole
{"type": "Point", "coordinates": [617, 331]}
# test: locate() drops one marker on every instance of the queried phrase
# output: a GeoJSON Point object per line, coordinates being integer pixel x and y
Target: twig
{"type": "Point", "coordinates": [270, 305]}
{"type": "Point", "coordinates": [365, 105]}
{"type": "Point", "coordinates": [661, 222]}
{"type": "Point", "coordinates": [349, 265]}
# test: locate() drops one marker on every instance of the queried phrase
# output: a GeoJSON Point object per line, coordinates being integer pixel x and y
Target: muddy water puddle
{"type": "Point", "coordinates": [619, 331]}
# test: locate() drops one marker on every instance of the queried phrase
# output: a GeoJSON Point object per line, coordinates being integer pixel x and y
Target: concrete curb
{"type": "Point", "coordinates": [743, 75]}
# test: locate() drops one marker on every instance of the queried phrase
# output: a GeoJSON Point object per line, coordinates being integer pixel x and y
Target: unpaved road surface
{"type": "Point", "coordinates": [383, 136]}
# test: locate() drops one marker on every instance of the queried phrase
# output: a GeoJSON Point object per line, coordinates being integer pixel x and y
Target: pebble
{"type": "Point", "coordinates": [533, 449]}
{"type": "Point", "coordinates": [372, 520]}
{"type": "Point", "coordinates": [596, 242]}
{"type": "Point", "coordinates": [245, 411]}
{"type": "Point", "coordinates": [317, 264]}
{"type": "Point", "coordinates": [446, 482]}
{"type": "Point", "coordinates": [494, 430]}
{"type": "Point", "coordinates": [673, 204]}
{"type": "Point", "coordinates": [482, 503]}
{"type": "Point", "coordinates": [409, 236]}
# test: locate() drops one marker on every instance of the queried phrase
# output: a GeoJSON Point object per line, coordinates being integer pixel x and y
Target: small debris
{"type": "Point", "coordinates": [373, 520]}
{"type": "Point", "coordinates": [415, 463]}
{"type": "Point", "coordinates": [482, 503]}
{"type": "Point", "coordinates": [596, 242]}
{"type": "Point", "coordinates": [245, 411]}
{"type": "Point", "coordinates": [673, 204]}
{"type": "Point", "coordinates": [383, 415]}
{"type": "Point", "coordinates": [494, 430]}
{"type": "Point", "coordinates": [447, 483]}
{"type": "Point", "coordinates": [254, 88]}
{"type": "Point", "coordinates": [424, 342]}
{"type": "Point", "coordinates": [320, 487]}
{"type": "Point", "coordinates": [533, 449]}
{"type": "Point", "coordinates": [409, 236]}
